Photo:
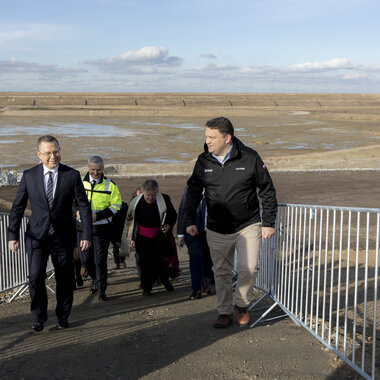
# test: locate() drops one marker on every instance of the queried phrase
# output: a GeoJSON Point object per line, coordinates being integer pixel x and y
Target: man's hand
{"type": "Point", "coordinates": [181, 241]}
{"type": "Point", "coordinates": [94, 217]}
{"type": "Point", "coordinates": [192, 230]}
{"type": "Point", "coordinates": [133, 244]}
{"type": "Point", "coordinates": [78, 215]}
{"type": "Point", "coordinates": [267, 232]}
{"type": "Point", "coordinates": [85, 245]}
{"type": "Point", "coordinates": [13, 245]}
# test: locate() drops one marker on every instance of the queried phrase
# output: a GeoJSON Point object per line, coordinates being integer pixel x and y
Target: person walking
{"type": "Point", "coordinates": [105, 200]}
{"type": "Point", "coordinates": [230, 174]}
{"type": "Point", "coordinates": [154, 216]}
{"type": "Point", "coordinates": [51, 189]}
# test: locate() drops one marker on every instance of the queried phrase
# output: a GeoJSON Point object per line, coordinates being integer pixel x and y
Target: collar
{"type": "Point", "coordinates": [88, 178]}
{"type": "Point", "coordinates": [235, 151]}
{"type": "Point", "coordinates": [46, 169]}
{"type": "Point", "coordinates": [97, 180]}
{"type": "Point", "coordinates": [226, 157]}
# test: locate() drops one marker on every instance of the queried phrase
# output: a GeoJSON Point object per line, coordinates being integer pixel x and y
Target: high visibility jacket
{"type": "Point", "coordinates": [104, 198]}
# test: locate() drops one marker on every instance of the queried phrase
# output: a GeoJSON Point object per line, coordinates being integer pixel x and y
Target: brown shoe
{"type": "Point", "coordinates": [223, 321]}
{"type": "Point", "coordinates": [242, 316]}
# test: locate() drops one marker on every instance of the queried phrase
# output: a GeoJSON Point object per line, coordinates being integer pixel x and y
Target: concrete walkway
{"type": "Point", "coordinates": [165, 336]}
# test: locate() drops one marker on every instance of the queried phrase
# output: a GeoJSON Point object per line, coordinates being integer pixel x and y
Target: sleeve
{"type": "Point", "coordinates": [193, 196]}
{"type": "Point", "coordinates": [84, 208]}
{"type": "Point", "coordinates": [171, 216]}
{"type": "Point", "coordinates": [180, 225]}
{"type": "Point", "coordinates": [267, 194]}
{"type": "Point", "coordinates": [118, 222]}
{"type": "Point", "coordinates": [17, 211]}
{"type": "Point", "coordinates": [114, 207]}
{"type": "Point", "coordinates": [116, 200]}
{"type": "Point", "coordinates": [131, 207]}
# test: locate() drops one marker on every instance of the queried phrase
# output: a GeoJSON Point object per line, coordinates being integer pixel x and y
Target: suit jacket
{"type": "Point", "coordinates": [69, 188]}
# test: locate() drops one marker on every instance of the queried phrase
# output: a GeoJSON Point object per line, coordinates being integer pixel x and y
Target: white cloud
{"type": "Point", "coordinates": [221, 66]}
{"type": "Point", "coordinates": [132, 60]}
{"type": "Point", "coordinates": [333, 64]}
{"type": "Point", "coordinates": [13, 65]}
{"type": "Point", "coordinates": [137, 73]}
{"type": "Point", "coordinates": [251, 70]}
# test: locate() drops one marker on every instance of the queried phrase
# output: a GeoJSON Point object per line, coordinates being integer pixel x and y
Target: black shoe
{"type": "Point", "coordinates": [195, 295]}
{"type": "Point", "coordinates": [168, 286]}
{"type": "Point", "coordinates": [148, 293]}
{"type": "Point", "coordinates": [93, 289]}
{"type": "Point", "coordinates": [102, 297]}
{"type": "Point", "coordinates": [79, 281]}
{"type": "Point", "coordinates": [37, 326]}
{"type": "Point", "coordinates": [62, 325]}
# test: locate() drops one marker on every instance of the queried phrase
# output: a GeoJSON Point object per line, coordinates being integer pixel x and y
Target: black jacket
{"type": "Point", "coordinates": [199, 218]}
{"type": "Point", "coordinates": [231, 191]}
{"type": "Point", "coordinates": [69, 188]}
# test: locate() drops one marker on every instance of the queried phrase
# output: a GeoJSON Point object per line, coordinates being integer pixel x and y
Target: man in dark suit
{"type": "Point", "coordinates": [51, 189]}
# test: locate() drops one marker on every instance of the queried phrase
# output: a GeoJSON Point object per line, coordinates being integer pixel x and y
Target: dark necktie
{"type": "Point", "coordinates": [50, 187]}
{"type": "Point", "coordinates": [49, 194]}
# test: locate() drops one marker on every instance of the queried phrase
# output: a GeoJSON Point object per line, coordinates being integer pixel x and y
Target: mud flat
{"type": "Point", "coordinates": [164, 132]}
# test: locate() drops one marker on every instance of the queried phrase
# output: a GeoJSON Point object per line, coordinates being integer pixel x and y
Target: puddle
{"type": "Point", "coordinates": [178, 126]}
{"type": "Point", "coordinates": [10, 141]}
{"type": "Point", "coordinates": [296, 113]}
{"type": "Point", "coordinates": [163, 160]}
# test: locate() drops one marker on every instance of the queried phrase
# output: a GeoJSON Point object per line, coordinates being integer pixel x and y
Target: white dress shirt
{"type": "Point", "coordinates": [46, 178]}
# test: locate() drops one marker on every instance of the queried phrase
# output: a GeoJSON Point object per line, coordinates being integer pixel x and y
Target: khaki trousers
{"type": "Point", "coordinates": [247, 243]}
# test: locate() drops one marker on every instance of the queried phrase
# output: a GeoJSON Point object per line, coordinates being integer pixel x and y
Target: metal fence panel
{"type": "Point", "coordinates": [323, 272]}
{"type": "Point", "coordinates": [14, 266]}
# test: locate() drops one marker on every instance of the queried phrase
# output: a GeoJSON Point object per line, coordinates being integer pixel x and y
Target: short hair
{"type": "Point", "coordinates": [150, 184]}
{"type": "Point", "coordinates": [222, 124]}
{"type": "Point", "coordinates": [48, 139]}
{"type": "Point", "coordinates": [96, 159]}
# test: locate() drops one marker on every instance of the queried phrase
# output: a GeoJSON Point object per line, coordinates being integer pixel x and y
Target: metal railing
{"type": "Point", "coordinates": [321, 269]}
{"type": "Point", "coordinates": [14, 266]}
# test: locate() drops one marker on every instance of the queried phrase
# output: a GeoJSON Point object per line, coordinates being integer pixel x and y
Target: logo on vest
{"type": "Point", "coordinates": [209, 170]}
{"type": "Point", "coordinates": [239, 168]}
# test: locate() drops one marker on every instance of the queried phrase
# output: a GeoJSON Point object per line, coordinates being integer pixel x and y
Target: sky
{"type": "Point", "coordinates": [299, 46]}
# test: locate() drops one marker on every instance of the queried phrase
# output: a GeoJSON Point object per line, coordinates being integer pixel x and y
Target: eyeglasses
{"type": "Point", "coordinates": [56, 153]}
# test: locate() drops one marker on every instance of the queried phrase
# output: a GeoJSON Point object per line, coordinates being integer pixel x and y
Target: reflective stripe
{"type": "Point", "coordinates": [103, 221]}
{"type": "Point", "coordinates": [107, 184]}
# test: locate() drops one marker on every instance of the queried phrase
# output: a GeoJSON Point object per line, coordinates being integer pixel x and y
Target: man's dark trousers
{"type": "Point", "coordinates": [64, 276]}
{"type": "Point", "coordinates": [95, 259]}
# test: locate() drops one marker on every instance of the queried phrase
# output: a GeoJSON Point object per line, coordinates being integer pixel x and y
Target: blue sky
{"type": "Point", "coordinates": [190, 46]}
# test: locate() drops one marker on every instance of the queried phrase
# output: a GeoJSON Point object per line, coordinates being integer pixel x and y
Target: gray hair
{"type": "Point", "coordinates": [95, 159]}
{"type": "Point", "coordinates": [150, 185]}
